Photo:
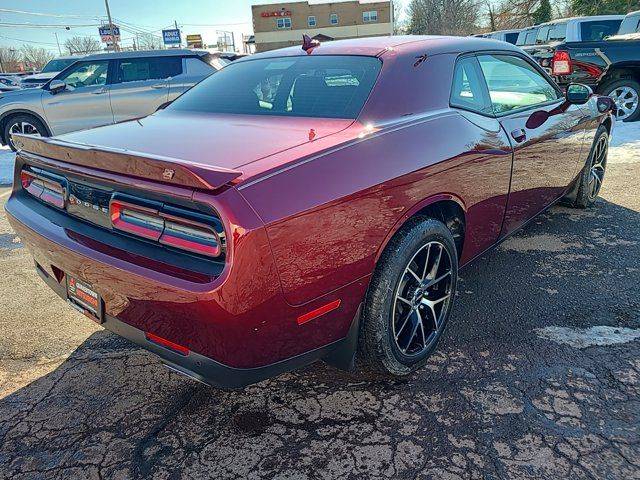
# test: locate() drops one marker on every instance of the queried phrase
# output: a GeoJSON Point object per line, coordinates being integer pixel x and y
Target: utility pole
{"type": "Point", "coordinates": [175, 22]}
{"type": "Point", "coordinates": [58, 42]}
{"type": "Point", "coordinates": [113, 37]}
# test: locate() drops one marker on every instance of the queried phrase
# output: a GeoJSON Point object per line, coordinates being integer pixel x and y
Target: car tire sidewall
{"type": "Point", "coordinates": [609, 87]}
{"type": "Point", "coordinates": [582, 197]}
{"type": "Point", "coordinates": [381, 295]}
{"type": "Point", "coordinates": [22, 118]}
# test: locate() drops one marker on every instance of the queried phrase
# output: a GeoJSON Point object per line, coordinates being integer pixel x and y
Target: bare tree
{"type": "Point", "coordinates": [399, 26]}
{"type": "Point", "coordinates": [34, 58]}
{"type": "Point", "coordinates": [82, 45]}
{"type": "Point", "coordinates": [442, 17]}
{"type": "Point", "coordinates": [9, 60]}
{"type": "Point", "coordinates": [148, 41]}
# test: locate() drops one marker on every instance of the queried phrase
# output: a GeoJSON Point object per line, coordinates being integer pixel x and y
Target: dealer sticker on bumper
{"type": "Point", "coordinates": [83, 297]}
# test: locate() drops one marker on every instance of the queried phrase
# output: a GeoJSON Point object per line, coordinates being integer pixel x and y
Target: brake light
{"type": "Point", "coordinates": [47, 188]}
{"type": "Point", "coordinates": [171, 226]}
{"type": "Point", "coordinates": [561, 63]}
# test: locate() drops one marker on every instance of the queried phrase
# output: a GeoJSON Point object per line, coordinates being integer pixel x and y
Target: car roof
{"type": "Point", "coordinates": [377, 46]}
{"type": "Point", "coordinates": [579, 19]}
{"type": "Point", "coordinates": [171, 52]}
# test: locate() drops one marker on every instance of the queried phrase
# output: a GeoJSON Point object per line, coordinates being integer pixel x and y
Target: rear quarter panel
{"type": "Point", "coordinates": [328, 217]}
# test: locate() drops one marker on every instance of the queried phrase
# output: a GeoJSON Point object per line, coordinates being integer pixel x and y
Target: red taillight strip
{"type": "Point", "coordinates": [318, 312]}
{"type": "Point", "coordinates": [44, 188]}
{"type": "Point", "coordinates": [163, 342]}
{"type": "Point", "coordinates": [131, 224]}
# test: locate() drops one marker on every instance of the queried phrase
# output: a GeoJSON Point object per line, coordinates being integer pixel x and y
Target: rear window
{"type": "Point", "coordinates": [309, 86]}
{"type": "Point", "coordinates": [511, 38]}
{"type": "Point", "coordinates": [597, 30]}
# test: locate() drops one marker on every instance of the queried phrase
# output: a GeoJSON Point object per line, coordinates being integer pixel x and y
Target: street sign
{"type": "Point", "coordinates": [171, 37]}
{"type": "Point", "coordinates": [195, 41]}
{"type": "Point", "coordinates": [105, 33]}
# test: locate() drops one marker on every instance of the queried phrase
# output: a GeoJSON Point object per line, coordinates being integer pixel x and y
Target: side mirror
{"type": "Point", "coordinates": [578, 94]}
{"type": "Point", "coordinates": [57, 86]}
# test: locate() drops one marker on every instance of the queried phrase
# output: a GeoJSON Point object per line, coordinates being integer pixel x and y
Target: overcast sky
{"type": "Point", "coordinates": [83, 16]}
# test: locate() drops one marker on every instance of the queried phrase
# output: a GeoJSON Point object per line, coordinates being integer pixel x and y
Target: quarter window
{"type": "Point", "coordinates": [311, 21]}
{"type": "Point", "coordinates": [333, 19]}
{"type": "Point", "coordinates": [371, 16]}
{"type": "Point", "coordinates": [283, 23]}
{"type": "Point", "coordinates": [468, 90]}
{"type": "Point", "coordinates": [86, 74]}
{"type": "Point", "coordinates": [514, 84]}
{"type": "Point", "coordinates": [597, 30]}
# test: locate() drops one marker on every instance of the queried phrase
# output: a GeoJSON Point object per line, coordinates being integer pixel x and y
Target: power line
{"type": "Point", "coordinates": [40, 25]}
{"type": "Point", "coordinates": [40, 14]}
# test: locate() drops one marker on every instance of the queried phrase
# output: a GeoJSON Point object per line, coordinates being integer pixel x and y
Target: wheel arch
{"type": "Point", "coordinates": [446, 207]}
{"type": "Point", "coordinates": [19, 111]}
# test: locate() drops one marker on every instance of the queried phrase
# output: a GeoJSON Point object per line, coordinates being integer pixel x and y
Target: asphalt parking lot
{"type": "Point", "coordinates": [538, 377]}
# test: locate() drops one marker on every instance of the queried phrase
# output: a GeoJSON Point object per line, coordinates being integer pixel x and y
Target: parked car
{"type": "Point", "coordinates": [509, 36]}
{"type": "Point", "coordinates": [302, 204]}
{"type": "Point", "coordinates": [104, 88]}
{"type": "Point", "coordinates": [9, 83]}
{"type": "Point", "coordinates": [578, 29]}
{"type": "Point", "coordinates": [50, 70]}
{"type": "Point", "coordinates": [611, 67]}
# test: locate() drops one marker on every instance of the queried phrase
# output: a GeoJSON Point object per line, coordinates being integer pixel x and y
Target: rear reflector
{"type": "Point", "coordinates": [163, 342]}
{"type": "Point", "coordinates": [561, 63]}
{"type": "Point", "coordinates": [318, 312]}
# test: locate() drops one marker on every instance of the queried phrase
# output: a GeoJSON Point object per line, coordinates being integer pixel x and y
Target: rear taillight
{"type": "Point", "coordinates": [47, 187]}
{"type": "Point", "coordinates": [171, 226]}
{"type": "Point", "coordinates": [561, 63]}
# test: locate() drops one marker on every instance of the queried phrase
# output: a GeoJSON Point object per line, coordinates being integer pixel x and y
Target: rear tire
{"type": "Point", "coordinates": [23, 123]}
{"type": "Point", "coordinates": [626, 94]}
{"type": "Point", "coordinates": [410, 298]}
{"type": "Point", "coordinates": [592, 174]}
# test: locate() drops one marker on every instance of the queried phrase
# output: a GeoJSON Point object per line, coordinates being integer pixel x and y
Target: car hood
{"type": "Point", "coordinates": [217, 140]}
{"type": "Point", "coordinates": [21, 95]}
{"type": "Point", "coordinates": [41, 76]}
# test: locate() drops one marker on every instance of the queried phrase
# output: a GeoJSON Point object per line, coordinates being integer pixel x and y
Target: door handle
{"type": "Point", "coordinates": [519, 135]}
{"type": "Point", "coordinates": [99, 91]}
{"type": "Point", "coordinates": [159, 85]}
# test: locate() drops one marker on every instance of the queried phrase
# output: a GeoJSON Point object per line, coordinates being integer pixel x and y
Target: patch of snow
{"type": "Point", "coordinates": [625, 143]}
{"type": "Point", "coordinates": [589, 337]}
{"type": "Point", "coordinates": [7, 158]}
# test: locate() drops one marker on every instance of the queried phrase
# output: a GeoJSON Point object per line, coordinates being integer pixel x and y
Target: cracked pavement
{"type": "Point", "coordinates": [537, 376]}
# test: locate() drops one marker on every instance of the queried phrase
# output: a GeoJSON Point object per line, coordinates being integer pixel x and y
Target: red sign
{"type": "Point", "coordinates": [280, 13]}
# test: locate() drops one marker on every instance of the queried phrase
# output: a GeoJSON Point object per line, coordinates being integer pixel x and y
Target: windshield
{"type": "Point", "coordinates": [630, 24]}
{"type": "Point", "coordinates": [309, 86]}
{"type": "Point", "coordinates": [527, 37]}
{"type": "Point", "coordinates": [58, 64]}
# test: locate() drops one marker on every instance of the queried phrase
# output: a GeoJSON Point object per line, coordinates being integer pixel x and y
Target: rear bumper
{"type": "Point", "coordinates": [340, 353]}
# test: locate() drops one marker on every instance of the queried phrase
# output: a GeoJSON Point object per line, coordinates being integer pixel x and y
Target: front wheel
{"type": "Point", "coordinates": [23, 124]}
{"type": "Point", "coordinates": [625, 94]}
{"type": "Point", "coordinates": [410, 298]}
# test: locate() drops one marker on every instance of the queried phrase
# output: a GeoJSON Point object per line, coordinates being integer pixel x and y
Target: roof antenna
{"type": "Point", "coordinates": [308, 44]}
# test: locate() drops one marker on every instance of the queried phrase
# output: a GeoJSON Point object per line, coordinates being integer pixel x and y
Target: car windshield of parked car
{"type": "Point", "coordinates": [597, 30]}
{"type": "Point", "coordinates": [57, 65]}
{"type": "Point", "coordinates": [527, 37]}
{"type": "Point", "coordinates": [630, 24]}
{"type": "Point", "coordinates": [552, 33]}
{"type": "Point", "coordinates": [513, 83]}
{"type": "Point", "coordinates": [308, 86]}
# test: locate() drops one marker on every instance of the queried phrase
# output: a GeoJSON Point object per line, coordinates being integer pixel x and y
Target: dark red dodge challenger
{"type": "Point", "coordinates": [306, 203]}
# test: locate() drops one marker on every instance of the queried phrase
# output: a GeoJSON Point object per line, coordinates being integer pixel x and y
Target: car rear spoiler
{"type": "Point", "coordinates": [135, 164]}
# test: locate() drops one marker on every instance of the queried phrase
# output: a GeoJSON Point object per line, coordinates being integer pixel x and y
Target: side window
{"type": "Point", "coordinates": [468, 90]}
{"type": "Point", "coordinates": [597, 30]}
{"type": "Point", "coordinates": [195, 66]}
{"type": "Point", "coordinates": [513, 83]}
{"type": "Point", "coordinates": [152, 68]}
{"type": "Point", "coordinates": [86, 74]}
